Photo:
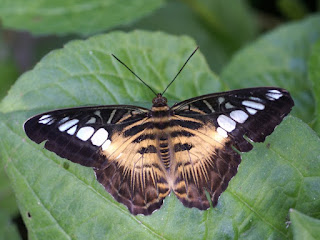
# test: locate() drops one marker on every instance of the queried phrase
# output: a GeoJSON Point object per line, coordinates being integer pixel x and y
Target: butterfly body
{"type": "Point", "coordinates": [140, 155]}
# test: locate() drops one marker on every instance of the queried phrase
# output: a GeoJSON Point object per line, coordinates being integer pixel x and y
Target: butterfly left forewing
{"type": "Point", "coordinates": [205, 161]}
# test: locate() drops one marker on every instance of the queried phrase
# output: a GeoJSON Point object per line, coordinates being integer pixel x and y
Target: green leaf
{"type": "Point", "coordinates": [303, 226]}
{"type": "Point", "coordinates": [7, 229]}
{"type": "Point", "coordinates": [314, 75]}
{"type": "Point", "coordinates": [7, 199]}
{"type": "Point", "coordinates": [8, 206]}
{"type": "Point", "coordinates": [279, 58]}
{"type": "Point", "coordinates": [84, 72]}
{"type": "Point", "coordinates": [63, 200]}
{"type": "Point", "coordinates": [210, 23]}
{"type": "Point", "coordinates": [8, 70]}
{"type": "Point", "coordinates": [219, 18]}
{"type": "Point", "coordinates": [65, 17]}
{"type": "Point", "coordinates": [292, 9]}
{"type": "Point", "coordinates": [8, 74]}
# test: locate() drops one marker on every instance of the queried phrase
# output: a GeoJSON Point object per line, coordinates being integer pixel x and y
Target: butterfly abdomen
{"type": "Point", "coordinates": [164, 151]}
{"type": "Point", "coordinates": [161, 123]}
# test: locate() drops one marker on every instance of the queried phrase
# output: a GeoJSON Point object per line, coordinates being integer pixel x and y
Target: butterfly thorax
{"type": "Point", "coordinates": [160, 113]}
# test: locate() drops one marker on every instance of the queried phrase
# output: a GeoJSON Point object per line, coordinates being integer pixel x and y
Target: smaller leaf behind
{"type": "Point", "coordinates": [65, 17]}
{"type": "Point", "coordinates": [314, 75]}
{"type": "Point", "coordinates": [303, 226]}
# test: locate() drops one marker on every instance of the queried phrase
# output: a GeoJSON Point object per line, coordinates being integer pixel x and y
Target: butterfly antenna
{"type": "Point", "coordinates": [180, 70]}
{"type": "Point", "coordinates": [134, 74]}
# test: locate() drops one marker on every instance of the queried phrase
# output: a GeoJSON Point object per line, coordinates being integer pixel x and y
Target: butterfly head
{"type": "Point", "coordinates": [159, 101]}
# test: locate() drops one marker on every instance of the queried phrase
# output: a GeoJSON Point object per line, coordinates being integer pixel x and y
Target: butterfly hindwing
{"type": "Point", "coordinates": [204, 162]}
{"type": "Point", "coordinates": [133, 173]}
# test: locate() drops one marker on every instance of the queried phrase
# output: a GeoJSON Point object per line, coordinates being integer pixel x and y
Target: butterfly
{"type": "Point", "coordinates": [141, 155]}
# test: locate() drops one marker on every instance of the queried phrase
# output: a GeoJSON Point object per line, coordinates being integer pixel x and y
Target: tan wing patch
{"type": "Point", "coordinates": [133, 173]}
{"type": "Point", "coordinates": [208, 164]}
{"type": "Point", "coordinates": [135, 176]}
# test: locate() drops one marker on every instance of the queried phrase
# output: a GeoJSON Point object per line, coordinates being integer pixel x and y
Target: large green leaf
{"type": "Point", "coordinates": [62, 200]}
{"type": "Point", "coordinates": [314, 73]}
{"type": "Point", "coordinates": [303, 226]}
{"type": "Point", "coordinates": [279, 58]}
{"type": "Point", "coordinates": [72, 16]}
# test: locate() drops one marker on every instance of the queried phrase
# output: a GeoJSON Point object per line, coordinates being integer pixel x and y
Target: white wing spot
{"type": "Point", "coordinates": [99, 137]}
{"type": "Point", "coordinates": [256, 99]}
{"type": "Point", "coordinates": [85, 133]}
{"type": "Point", "coordinates": [106, 145]}
{"type": "Point", "coordinates": [44, 116]}
{"type": "Point", "coordinates": [226, 123]}
{"type": "Point", "coordinates": [275, 91]}
{"type": "Point", "coordinates": [63, 120]}
{"type": "Point", "coordinates": [208, 105]}
{"type": "Point", "coordinates": [97, 113]}
{"type": "Point", "coordinates": [72, 130]}
{"type": "Point", "coordinates": [68, 124]}
{"type": "Point", "coordinates": [229, 105]}
{"type": "Point", "coordinates": [222, 132]}
{"type": "Point", "coordinates": [220, 100]}
{"type": "Point", "coordinates": [251, 111]}
{"type": "Point", "coordinates": [274, 95]}
{"type": "Point", "coordinates": [239, 116]}
{"type": "Point", "coordinates": [270, 98]}
{"type": "Point", "coordinates": [254, 105]}
{"type": "Point", "coordinates": [111, 116]}
{"type": "Point", "coordinates": [92, 120]}
{"type": "Point", "coordinates": [45, 119]}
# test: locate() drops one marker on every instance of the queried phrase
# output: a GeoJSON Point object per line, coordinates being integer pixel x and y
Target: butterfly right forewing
{"type": "Point", "coordinates": [251, 112]}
